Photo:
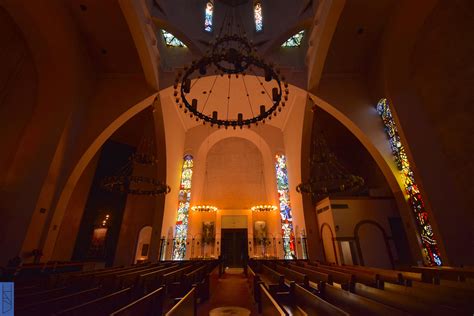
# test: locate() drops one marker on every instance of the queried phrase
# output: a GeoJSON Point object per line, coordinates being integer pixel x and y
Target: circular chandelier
{"type": "Point", "coordinates": [263, 208]}
{"type": "Point", "coordinates": [140, 182]}
{"type": "Point", "coordinates": [328, 175]}
{"type": "Point", "coordinates": [231, 54]}
{"type": "Point", "coordinates": [204, 208]}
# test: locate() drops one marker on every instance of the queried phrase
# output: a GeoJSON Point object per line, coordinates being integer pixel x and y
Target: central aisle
{"type": "Point", "coordinates": [232, 289]}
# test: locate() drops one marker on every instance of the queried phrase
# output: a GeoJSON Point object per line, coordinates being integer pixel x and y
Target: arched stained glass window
{"type": "Point", "coordinates": [285, 207]}
{"type": "Point", "coordinates": [208, 16]}
{"type": "Point", "coordinates": [294, 41]}
{"type": "Point", "coordinates": [430, 249]}
{"type": "Point", "coordinates": [257, 15]}
{"type": "Point", "coordinates": [171, 40]}
{"type": "Point", "coordinates": [184, 198]}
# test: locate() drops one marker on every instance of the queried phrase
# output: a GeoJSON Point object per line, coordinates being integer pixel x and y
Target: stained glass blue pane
{"type": "Point", "coordinates": [184, 197]}
{"type": "Point", "coordinates": [171, 40]}
{"type": "Point", "coordinates": [294, 41]}
{"type": "Point", "coordinates": [208, 16]}
{"type": "Point", "coordinates": [430, 249]}
{"type": "Point", "coordinates": [285, 207]}
{"type": "Point", "coordinates": [257, 15]}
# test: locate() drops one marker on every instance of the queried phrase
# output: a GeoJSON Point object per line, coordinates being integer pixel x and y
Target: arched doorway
{"type": "Point", "coordinates": [329, 248]}
{"type": "Point", "coordinates": [372, 244]}
{"type": "Point", "coordinates": [143, 244]}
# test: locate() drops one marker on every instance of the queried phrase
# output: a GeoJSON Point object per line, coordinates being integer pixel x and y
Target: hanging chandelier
{"type": "Point", "coordinates": [231, 54]}
{"type": "Point", "coordinates": [263, 208]}
{"type": "Point", "coordinates": [134, 177]}
{"type": "Point", "coordinates": [204, 208]}
{"type": "Point", "coordinates": [328, 175]}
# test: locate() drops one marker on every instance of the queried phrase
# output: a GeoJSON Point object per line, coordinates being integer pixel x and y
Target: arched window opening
{"type": "Point", "coordinates": [285, 207]}
{"type": "Point", "coordinates": [143, 244]}
{"type": "Point", "coordinates": [208, 16]}
{"type": "Point", "coordinates": [171, 40]}
{"type": "Point", "coordinates": [430, 249]}
{"type": "Point", "coordinates": [295, 40]}
{"type": "Point", "coordinates": [184, 198]}
{"type": "Point", "coordinates": [258, 16]}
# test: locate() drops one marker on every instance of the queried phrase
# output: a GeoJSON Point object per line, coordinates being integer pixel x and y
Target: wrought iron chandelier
{"type": "Point", "coordinates": [204, 208]}
{"type": "Point", "coordinates": [143, 161]}
{"type": "Point", "coordinates": [328, 175]}
{"type": "Point", "coordinates": [231, 54]}
{"type": "Point", "coordinates": [263, 208]}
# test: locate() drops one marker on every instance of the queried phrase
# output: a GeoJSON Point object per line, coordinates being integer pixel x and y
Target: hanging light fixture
{"type": "Point", "coordinates": [140, 182]}
{"type": "Point", "coordinates": [328, 175]}
{"type": "Point", "coordinates": [204, 208]}
{"type": "Point", "coordinates": [263, 208]}
{"type": "Point", "coordinates": [232, 53]}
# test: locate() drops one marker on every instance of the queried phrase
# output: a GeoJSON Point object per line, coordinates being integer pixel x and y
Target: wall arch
{"type": "Point", "coordinates": [142, 252]}
{"type": "Point", "coordinates": [328, 244]}
{"type": "Point", "coordinates": [373, 257]}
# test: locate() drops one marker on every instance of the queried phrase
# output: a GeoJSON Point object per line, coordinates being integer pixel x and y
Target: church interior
{"type": "Point", "coordinates": [237, 157]}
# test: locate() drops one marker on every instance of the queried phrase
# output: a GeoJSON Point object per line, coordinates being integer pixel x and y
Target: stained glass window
{"type": "Point", "coordinates": [285, 207]}
{"type": "Point", "coordinates": [208, 16]}
{"type": "Point", "coordinates": [429, 245]}
{"type": "Point", "coordinates": [184, 198]}
{"type": "Point", "coordinates": [257, 16]}
{"type": "Point", "coordinates": [171, 40]}
{"type": "Point", "coordinates": [294, 41]}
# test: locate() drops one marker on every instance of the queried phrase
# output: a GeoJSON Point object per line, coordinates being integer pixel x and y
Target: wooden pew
{"type": "Point", "coordinates": [314, 276]}
{"type": "Point", "coordinates": [254, 281]}
{"type": "Point", "coordinates": [274, 281]}
{"type": "Point", "coordinates": [435, 295]}
{"type": "Point", "coordinates": [438, 273]}
{"type": "Point", "coordinates": [385, 275]}
{"type": "Point", "coordinates": [355, 304]}
{"type": "Point", "coordinates": [406, 303]}
{"type": "Point", "coordinates": [268, 305]}
{"type": "Point", "coordinates": [303, 300]}
{"type": "Point", "coordinates": [52, 305]}
{"type": "Point", "coordinates": [38, 296]}
{"type": "Point", "coordinates": [365, 277]}
{"type": "Point", "coordinates": [148, 305]}
{"type": "Point", "coordinates": [292, 275]}
{"type": "Point", "coordinates": [345, 279]}
{"type": "Point", "coordinates": [100, 306]}
{"type": "Point", "coordinates": [173, 280]}
{"type": "Point", "coordinates": [185, 306]}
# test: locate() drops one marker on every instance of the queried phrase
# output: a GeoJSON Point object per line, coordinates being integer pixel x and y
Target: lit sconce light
{"type": "Point", "coordinates": [204, 208]}
{"type": "Point", "coordinates": [263, 208]}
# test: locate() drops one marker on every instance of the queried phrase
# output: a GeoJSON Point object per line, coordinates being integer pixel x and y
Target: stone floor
{"type": "Point", "coordinates": [231, 290]}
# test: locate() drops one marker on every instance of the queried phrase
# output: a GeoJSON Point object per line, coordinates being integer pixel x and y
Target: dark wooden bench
{"type": "Point", "coordinates": [185, 306]}
{"type": "Point", "coordinates": [254, 281]}
{"type": "Point", "coordinates": [148, 305]}
{"type": "Point", "coordinates": [385, 275]}
{"type": "Point", "coordinates": [268, 306]}
{"type": "Point", "coordinates": [314, 276]}
{"type": "Point", "coordinates": [301, 299]}
{"type": "Point", "coordinates": [292, 275]}
{"type": "Point", "coordinates": [344, 279]}
{"type": "Point", "coordinates": [100, 306]}
{"type": "Point", "coordinates": [364, 277]}
{"type": "Point", "coordinates": [273, 280]}
{"type": "Point", "coordinates": [355, 304]}
{"type": "Point", "coordinates": [408, 304]}
{"type": "Point", "coordinates": [52, 305]}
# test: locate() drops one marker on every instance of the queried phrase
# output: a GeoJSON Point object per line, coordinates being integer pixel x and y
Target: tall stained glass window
{"type": "Point", "coordinates": [429, 245]}
{"type": "Point", "coordinates": [257, 15]}
{"type": "Point", "coordinates": [294, 41]}
{"type": "Point", "coordinates": [184, 198]}
{"type": "Point", "coordinates": [285, 207]}
{"type": "Point", "coordinates": [208, 16]}
{"type": "Point", "coordinates": [171, 40]}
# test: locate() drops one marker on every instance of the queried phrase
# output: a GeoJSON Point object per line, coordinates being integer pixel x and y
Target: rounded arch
{"type": "Point", "coordinates": [374, 240]}
{"type": "Point", "coordinates": [247, 134]}
{"type": "Point", "coordinates": [82, 164]}
{"type": "Point", "coordinates": [142, 251]}
{"type": "Point", "coordinates": [327, 247]}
